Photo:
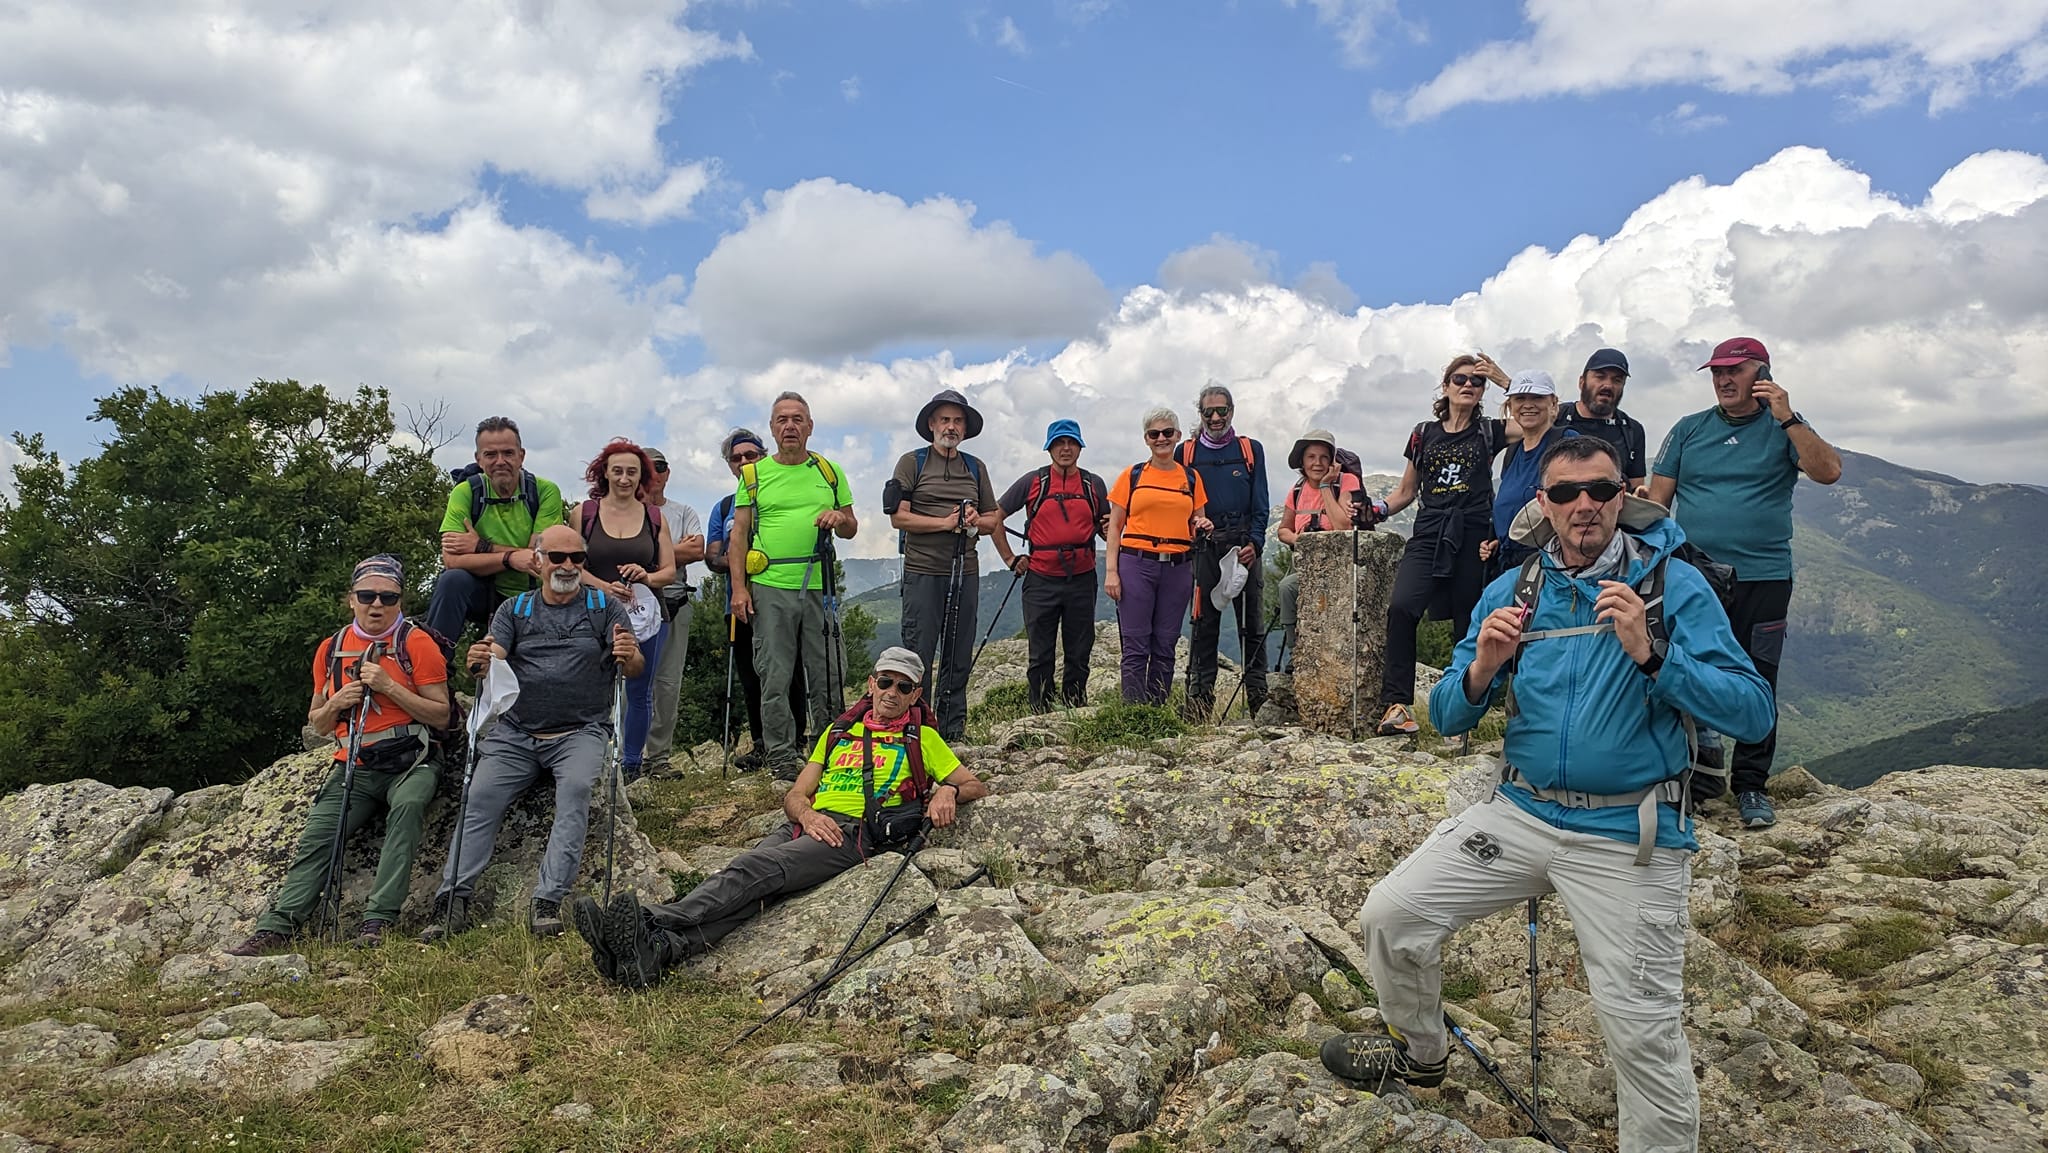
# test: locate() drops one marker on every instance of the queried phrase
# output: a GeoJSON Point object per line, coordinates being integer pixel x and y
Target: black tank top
{"type": "Point", "coordinates": [608, 552]}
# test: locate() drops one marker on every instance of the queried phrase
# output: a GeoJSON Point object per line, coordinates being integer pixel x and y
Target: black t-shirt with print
{"type": "Point", "coordinates": [1454, 470]}
{"type": "Point", "coordinates": [1619, 430]}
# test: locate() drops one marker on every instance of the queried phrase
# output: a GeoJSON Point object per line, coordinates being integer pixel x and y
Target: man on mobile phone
{"type": "Point", "coordinates": [1731, 470]}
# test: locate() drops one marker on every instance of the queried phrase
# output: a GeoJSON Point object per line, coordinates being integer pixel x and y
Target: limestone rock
{"type": "Point", "coordinates": [967, 967]}
{"type": "Point", "coordinates": [253, 1019]}
{"type": "Point", "coordinates": [925, 1072]}
{"type": "Point", "coordinates": [1281, 1103]}
{"type": "Point", "coordinates": [486, 1040]}
{"type": "Point", "coordinates": [813, 926]}
{"type": "Point", "coordinates": [51, 1044]}
{"type": "Point", "coordinates": [218, 970]}
{"type": "Point", "coordinates": [1019, 1110]}
{"type": "Point", "coordinates": [55, 840]}
{"type": "Point", "coordinates": [241, 1065]}
{"type": "Point", "coordinates": [572, 1112]}
{"type": "Point", "coordinates": [1227, 940]}
{"type": "Point", "coordinates": [1330, 651]}
{"type": "Point", "coordinates": [1129, 1044]}
{"type": "Point", "coordinates": [205, 865]}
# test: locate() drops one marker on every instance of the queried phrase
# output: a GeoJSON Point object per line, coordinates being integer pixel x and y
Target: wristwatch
{"type": "Point", "coordinates": [1658, 648]}
{"type": "Point", "coordinates": [507, 565]}
{"type": "Point", "coordinates": [1796, 419]}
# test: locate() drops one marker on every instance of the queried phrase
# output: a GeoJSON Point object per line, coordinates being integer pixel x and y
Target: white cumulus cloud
{"type": "Point", "coordinates": [1876, 52]}
{"type": "Point", "coordinates": [665, 200]}
{"type": "Point", "coordinates": [825, 269]}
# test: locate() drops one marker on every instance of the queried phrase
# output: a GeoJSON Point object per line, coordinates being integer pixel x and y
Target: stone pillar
{"type": "Point", "coordinates": [1342, 574]}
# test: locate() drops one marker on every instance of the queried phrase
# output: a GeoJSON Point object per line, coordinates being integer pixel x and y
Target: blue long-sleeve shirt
{"type": "Point", "coordinates": [1237, 495]}
{"type": "Point", "coordinates": [1589, 719]}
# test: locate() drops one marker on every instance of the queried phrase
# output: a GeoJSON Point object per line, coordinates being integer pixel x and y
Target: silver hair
{"type": "Point", "coordinates": [1214, 389]}
{"type": "Point", "coordinates": [1158, 414]}
{"type": "Point", "coordinates": [734, 437]}
{"type": "Point", "coordinates": [795, 396]}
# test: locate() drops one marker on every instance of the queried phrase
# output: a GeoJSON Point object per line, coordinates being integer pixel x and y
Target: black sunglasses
{"type": "Point", "coordinates": [661, 466]}
{"type": "Point", "coordinates": [891, 684]}
{"type": "Point", "coordinates": [376, 597]}
{"type": "Point", "coordinates": [1565, 492]}
{"type": "Point", "coordinates": [1461, 379]}
{"type": "Point", "coordinates": [1224, 411]}
{"type": "Point", "coordinates": [1161, 433]}
{"type": "Point", "coordinates": [744, 457]}
{"type": "Point", "coordinates": [575, 558]}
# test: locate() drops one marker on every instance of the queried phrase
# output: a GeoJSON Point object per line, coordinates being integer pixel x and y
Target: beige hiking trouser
{"type": "Point", "coordinates": [1630, 921]}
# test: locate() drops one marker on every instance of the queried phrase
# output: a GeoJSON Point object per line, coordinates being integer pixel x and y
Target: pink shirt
{"type": "Point", "coordinates": [1311, 502]}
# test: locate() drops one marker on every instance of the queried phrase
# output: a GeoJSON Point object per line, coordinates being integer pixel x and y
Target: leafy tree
{"type": "Point", "coordinates": [160, 602]}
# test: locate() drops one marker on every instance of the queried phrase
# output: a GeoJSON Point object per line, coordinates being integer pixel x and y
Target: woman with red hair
{"type": "Point", "coordinates": [627, 545]}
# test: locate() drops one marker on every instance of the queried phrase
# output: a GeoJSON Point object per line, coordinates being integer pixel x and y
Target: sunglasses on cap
{"type": "Point", "coordinates": [744, 457]}
{"type": "Point", "coordinates": [885, 683]}
{"type": "Point", "coordinates": [1467, 380]}
{"type": "Point", "coordinates": [376, 597]}
{"type": "Point", "coordinates": [1565, 492]}
{"type": "Point", "coordinates": [577, 557]}
{"type": "Point", "coordinates": [1161, 433]}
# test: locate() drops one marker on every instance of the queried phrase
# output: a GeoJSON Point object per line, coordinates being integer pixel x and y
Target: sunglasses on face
{"type": "Point", "coordinates": [886, 684]}
{"type": "Point", "coordinates": [1565, 492]}
{"type": "Point", "coordinates": [1462, 380]}
{"type": "Point", "coordinates": [1161, 433]}
{"type": "Point", "coordinates": [575, 558]}
{"type": "Point", "coordinates": [1207, 412]}
{"type": "Point", "coordinates": [744, 457]}
{"type": "Point", "coordinates": [376, 597]}
{"type": "Point", "coordinates": [661, 466]}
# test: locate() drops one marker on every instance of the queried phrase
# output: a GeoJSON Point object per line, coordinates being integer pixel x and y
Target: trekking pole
{"type": "Point", "coordinates": [909, 851]}
{"type": "Point", "coordinates": [949, 615]}
{"type": "Point", "coordinates": [455, 842]}
{"type": "Point", "coordinates": [330, 897]}
{"type": "Point", "coordinates": [1493, 1070]}
{"type": "Point", "coordinates": [732, 633]}
{"type": "Point", "coordinates": [845, 966]}
{"type": "Point", "coordinates": [835, 655]}
{"type": "Point", "coordinates": [1535, 1053]}
{"type": "Point", "coordinates": [1015, 579]}
{"type": "Point", "coordinates": [611, 836]}
{"type": "Point", "coordinates": [1272, 619]}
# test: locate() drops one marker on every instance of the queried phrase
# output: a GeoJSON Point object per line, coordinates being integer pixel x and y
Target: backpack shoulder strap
{"type": "Point", "coordinates": [973, 467]}
{"type": "Point", "coordinates": [401, 641]}
{"type": "Point", "coordinates": [826, 470]}
{"type": "Point", "coordinates": [529, 494]}
{"type": "Point", "coordinates": [1652, 592]}
{"type": "Point", "coordinates": [1034, 496]}
{"type": "Point", "coordinates": [334, 659]}
{"type": "Point", "coordinates": [589, 519]}
{"type": "Point", "coordinates": [1244, 445]}
{"type": "Point", "coordinates": [1184, 452]}
{"type": "Point", "coordinates": [750, 479]}
{"type": "Point", "coordinates": [1137, 472]}
{"type": "Point", "coordinates": [477, 487]}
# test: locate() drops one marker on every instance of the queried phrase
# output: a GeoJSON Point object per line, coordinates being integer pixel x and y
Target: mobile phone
{"type": "Point", "coordinates": [1764, 373]}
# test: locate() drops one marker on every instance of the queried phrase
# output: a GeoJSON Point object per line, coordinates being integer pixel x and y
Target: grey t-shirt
{"type": "Point", "coordinates": [562, 655]}
{"type": "Point", "coordinates": [946, 482]}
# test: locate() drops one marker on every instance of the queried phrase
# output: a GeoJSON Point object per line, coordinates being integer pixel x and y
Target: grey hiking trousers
{"type": "Point", "coordinates": [1631, 923]}
{"type": "Point", "coordinates": [507, 764]}
{"type": "Point", "coordinates": [780, 864]}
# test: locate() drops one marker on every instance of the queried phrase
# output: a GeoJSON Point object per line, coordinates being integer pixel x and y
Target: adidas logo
{"type": "Point", "coordinates": [1731, 440]}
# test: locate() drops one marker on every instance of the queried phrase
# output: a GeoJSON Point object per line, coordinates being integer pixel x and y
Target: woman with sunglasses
{"type": "Point", "coordinates": [1155, 510]}
{"type": "Point", "coordinates": [401, 672]}
{"type": "Point", "coordinates": [1531, 413]}
{"type": "Point", "coordinates": [1450, 469]}
{"type": "Point", "coordinates": [628, 545]}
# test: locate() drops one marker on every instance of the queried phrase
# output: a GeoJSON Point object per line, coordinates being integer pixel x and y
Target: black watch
{"type": "Point", "coordinates": [1796, 419]}
{"type": "Point", "coordinates": [1658, 648]}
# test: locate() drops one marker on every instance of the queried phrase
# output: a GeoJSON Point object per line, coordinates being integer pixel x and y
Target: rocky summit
{"type": "Point", "coordinates": [1163, 934]}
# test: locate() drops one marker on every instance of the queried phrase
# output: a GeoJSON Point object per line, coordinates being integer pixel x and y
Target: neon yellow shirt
{"type": "Point", "coordinates": [839, 788]}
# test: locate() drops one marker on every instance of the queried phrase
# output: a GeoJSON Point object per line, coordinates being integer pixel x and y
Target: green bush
{"type": "Point", "coordinates": [1123, 725]}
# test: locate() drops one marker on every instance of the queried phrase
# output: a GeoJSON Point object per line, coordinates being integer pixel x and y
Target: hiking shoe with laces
{"type": "Point", "coordinates": [1756, 810]}
{"type": "Point", "coordinates": [439, 924]}
{"type": "Point", "coordinates": [1370, 1059]}
{"type": "Point", "coordinates": [1398, 722]}
{"type": "Point", "coordinates": [260, 943]}
{"type": "Point", "coordinates": [586, 916]}
{"type": "Point", "coordinates": [370, 934]}
{"type": "Point", "coordinates": [546, 920]}
{"type": "Point", "coordinates": [636, 961]}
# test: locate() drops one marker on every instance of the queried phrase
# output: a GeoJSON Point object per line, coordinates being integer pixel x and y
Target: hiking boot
{"type": "Point", "coordinates": [1369, 1059]}
{"type": "Point", "coordinates": [440, 924]}
{"type": "Point", "coordinates": [629, 772]}
{"type": "Point", "coordinates": [1709, 786]}
{"type": "Point", "coordinates": [546, 920]}
{"type": "Point", "coordinates": [1756, 810]}
{"type": "Point", "coordinates": [260, 943]}
{"type": "Point", "coordinates": [588, 918]}
{"type": "Point", "coordinates": [370, 934]}
{"type": "Point", "coordinates": [636, 961]}
{"type": "Point", "coordinates": [1253, 704]}
{"type": "Point", "coordinates": [1398, 722]}
{"type": "Point", "coordinates": [748, 761]}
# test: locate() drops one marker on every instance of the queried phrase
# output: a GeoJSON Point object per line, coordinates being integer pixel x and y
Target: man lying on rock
{"type": "Point", "coordinates": [566, 643]}
{"type": "Point", "coordinates": [866, 755]}
{"type": "Point", "coordinates": [402, 673]}
{"type": "Point", "coordinates": [1593, 799]}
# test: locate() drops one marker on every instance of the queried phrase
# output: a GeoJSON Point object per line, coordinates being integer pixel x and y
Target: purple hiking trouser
{"type": "Point", "coordinates": [1148, 618]}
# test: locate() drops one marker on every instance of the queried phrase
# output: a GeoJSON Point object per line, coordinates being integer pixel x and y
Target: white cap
{"type": "Point", "coordinates": [1532, 382]}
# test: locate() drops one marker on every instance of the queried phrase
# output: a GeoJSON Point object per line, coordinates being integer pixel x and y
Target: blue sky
{"type": "Point", "coordinates": [1119, 133]}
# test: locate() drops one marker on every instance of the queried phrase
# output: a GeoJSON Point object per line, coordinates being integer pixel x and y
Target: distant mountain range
{"type": "Point", "coordinates": [2014, 738]}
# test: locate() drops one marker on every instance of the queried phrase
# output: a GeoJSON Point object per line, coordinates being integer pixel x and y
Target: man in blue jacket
{"type": "Point", "coordinates": [1233, 470]}
{"type": "Point", "coordinates": [1591, 803]}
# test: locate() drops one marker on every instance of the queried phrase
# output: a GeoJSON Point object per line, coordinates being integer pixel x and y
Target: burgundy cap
{"type": "Point", "coordinates": [1736, 350]}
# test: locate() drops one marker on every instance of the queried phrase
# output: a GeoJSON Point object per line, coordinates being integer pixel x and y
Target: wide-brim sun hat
{"type": "Point", "coordinates": [1230, 582]}
{"type": "Point", "coordinates": [1321, 436]}
{"type": "Point", "coordinates": [948, 396]}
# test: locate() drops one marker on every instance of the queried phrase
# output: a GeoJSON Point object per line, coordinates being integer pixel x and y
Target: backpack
{"type": "Point", "coordinates": [480, 491]}
{"type": "Point", "coordinates": [1187, 480]}
{"type": "Point", "coordinates": [593, 609]}
{"type": "Point", "coordinates": [888, 826]}
{"type": "Point", "coordinates": [451, 740]}
{"type": "Point", "coordinates": [590, 518]}
{"type": "Point", "coordinates": [1185, 454]}
{"type": "Point", "coordinates": [1041, 491]}
{"type": "Point", "coordinates": [917, 474]}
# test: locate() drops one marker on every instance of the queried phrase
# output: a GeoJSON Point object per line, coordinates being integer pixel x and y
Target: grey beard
{"type": "Point", "coordinates": [562, 582]}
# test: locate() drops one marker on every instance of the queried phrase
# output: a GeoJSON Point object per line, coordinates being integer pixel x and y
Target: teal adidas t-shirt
{"type": "Point", "coordinates": [1734, 498]}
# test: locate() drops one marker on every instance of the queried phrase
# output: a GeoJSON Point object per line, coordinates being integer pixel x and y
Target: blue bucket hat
{"type": "Point", "coordinates": [1066, 428]}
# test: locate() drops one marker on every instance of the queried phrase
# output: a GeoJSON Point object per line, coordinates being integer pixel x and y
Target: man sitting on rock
{"type": "Point", "coordinates": [567, 644]}
{"type": "Point", "coordinates": [1592, 803]}
{"type": "Point", "coordinates": [830, 829]}
{"type": "Point", "coordinates": [401, 670]}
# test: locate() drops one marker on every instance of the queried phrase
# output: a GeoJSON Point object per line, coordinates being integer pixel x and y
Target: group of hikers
{"type": "Point", "coordinates": [1618, 670]}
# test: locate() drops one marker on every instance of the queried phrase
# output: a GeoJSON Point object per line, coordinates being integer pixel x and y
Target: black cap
{"type": "Point", "coordinates": [1607, 358]}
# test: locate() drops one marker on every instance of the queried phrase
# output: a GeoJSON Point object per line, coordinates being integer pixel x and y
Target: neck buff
{"type": "Point", "coordinates": [1228, 438]}
{"type": "Point", "coordinates": [356, 630]}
